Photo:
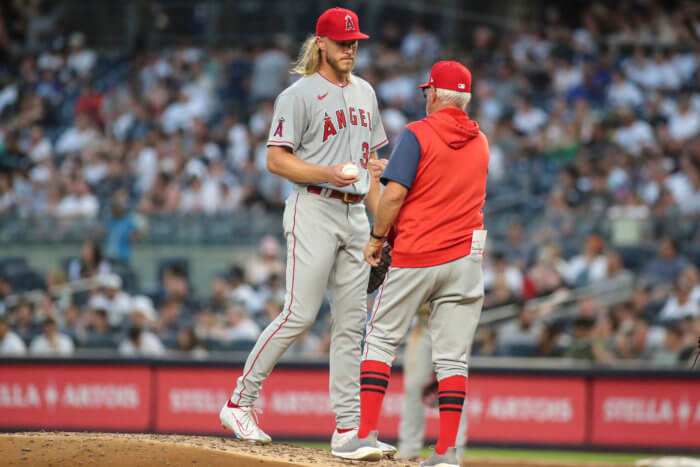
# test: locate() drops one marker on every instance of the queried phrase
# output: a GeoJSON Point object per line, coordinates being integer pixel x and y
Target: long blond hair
{"type": "Point", "coordinates": [309, 60]}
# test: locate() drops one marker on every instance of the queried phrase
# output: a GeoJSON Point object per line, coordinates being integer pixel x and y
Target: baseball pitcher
{"type": "Point", "coordinates": [435, 191]}
{"type": "Point", "coordinates": [324, 136]}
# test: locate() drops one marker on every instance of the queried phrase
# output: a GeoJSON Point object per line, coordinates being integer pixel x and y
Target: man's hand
{"type": "Point", "coordinates": [378, 271]}
{"type": "Point", "coordinates": [376, 167]}
{"type": "Point", "coordinates": [373, 251]}
{"type": "Point", "coordinates": [337, 178]}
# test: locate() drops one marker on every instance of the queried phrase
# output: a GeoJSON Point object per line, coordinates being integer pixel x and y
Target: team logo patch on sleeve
{"type": "Point", "coordinates": [278, 131]}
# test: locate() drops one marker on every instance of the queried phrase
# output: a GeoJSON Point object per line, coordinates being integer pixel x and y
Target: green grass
{"type": "Point", "coordinates": [556, 455]}
{"type": "Point", "coordinates": [530, 454]}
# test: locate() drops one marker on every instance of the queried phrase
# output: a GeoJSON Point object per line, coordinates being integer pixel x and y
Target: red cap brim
{"type": "Point", "coordinates": [425, 85]}
{"type": "Point", "coordinates": [350, 36]}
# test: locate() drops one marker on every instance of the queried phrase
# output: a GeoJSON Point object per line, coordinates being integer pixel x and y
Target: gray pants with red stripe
{"type": "Point", "coordinates": [417, 373]}
{"type": "Point", "coordinates": [455, 293]}
{"type": "Point", "coordinates": [325, 242]}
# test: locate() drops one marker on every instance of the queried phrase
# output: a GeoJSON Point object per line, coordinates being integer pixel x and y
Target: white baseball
{"type": "Point", "coordinates": [350, 170]}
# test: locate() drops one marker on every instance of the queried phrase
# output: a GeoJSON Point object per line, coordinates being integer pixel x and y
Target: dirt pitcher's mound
{"type": "Point", "coordinates": [134, 450]}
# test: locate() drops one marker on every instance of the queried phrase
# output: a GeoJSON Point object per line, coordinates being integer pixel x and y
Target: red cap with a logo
{"type": "Point", "coordinates": [339, 24]}
{"type": "Point", "coordinates": [452, 76]}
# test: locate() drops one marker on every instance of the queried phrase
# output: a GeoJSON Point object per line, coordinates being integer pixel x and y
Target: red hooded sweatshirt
{"type": "Point", "coordinates": [443, 206]}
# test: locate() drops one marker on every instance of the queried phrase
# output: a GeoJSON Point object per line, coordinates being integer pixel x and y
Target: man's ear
{"type": "Point", "coordinates": [321, 44]}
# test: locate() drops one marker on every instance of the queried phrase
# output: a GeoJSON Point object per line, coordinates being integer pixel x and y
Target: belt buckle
{"type": "Point", "coordinates": [345, 198]}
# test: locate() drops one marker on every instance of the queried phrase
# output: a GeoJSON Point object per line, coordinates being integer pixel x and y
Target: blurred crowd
{"type": "Point", "coordinates": [593, 125]}
{"type": "Point", "coordinates": [87, 305]}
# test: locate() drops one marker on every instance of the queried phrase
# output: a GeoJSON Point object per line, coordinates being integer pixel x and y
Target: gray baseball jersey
{"type": "Point", "coordinates": [327, 124]}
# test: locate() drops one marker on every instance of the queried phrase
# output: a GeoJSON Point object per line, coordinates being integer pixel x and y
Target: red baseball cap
{"type": "Point", "coordinates": [452, 76]}
{"type": "Point", "coordinates": [339, 24]}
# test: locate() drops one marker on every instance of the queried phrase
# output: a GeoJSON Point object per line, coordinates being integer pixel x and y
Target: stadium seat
{"type": "Point", "coordinates": [519, 350]}
{"type": "Point", "coordinates": [97, 342]}
{"type": "Point", "coordinates": [11, 265]}
{"type": "Point", "coordinates": [237, 346]}
{"type": "Point", "coordinates": [635, 257]}
{"type": "Point", "coordinates": [27, 280]}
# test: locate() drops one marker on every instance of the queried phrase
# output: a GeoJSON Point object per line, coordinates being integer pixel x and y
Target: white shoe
{"type": "Point", "coordinates": [243, 422]}
{"type": "Point", "coordinates": [339, 439]}
{"type": "Point", "coordinates": [365, 449]}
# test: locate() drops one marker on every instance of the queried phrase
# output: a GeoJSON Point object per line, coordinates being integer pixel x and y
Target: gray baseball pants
{"type": "Point", "coordinates": [325, 242]}
{"type": "Point", "coordinates": [417, 373]}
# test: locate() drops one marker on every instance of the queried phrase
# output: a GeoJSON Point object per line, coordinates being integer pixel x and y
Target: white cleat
{"type": "Point", "coordinates": [365, 449]}
{"type": "Point", "coordinates": [243, 422]}
{"type": "Point", "coordinates": [339, 439]}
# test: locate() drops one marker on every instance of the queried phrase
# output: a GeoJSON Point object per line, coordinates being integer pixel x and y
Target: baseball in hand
{"type": "Point", "coordinates": [350, 170]}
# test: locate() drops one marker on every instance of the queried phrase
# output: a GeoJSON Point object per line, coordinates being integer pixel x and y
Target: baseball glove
{"type": "Point", "coordinates": [378, 272]}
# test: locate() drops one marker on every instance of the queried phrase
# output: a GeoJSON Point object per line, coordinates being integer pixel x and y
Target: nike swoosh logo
{"type": "Point", "coordinates": [321, 96]}
{"type": "Point", "coordinates": [245, 431]}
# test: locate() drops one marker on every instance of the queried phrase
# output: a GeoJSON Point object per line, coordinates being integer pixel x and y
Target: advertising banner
{"type": "Point", "coordinates": [293, 402]}
{"type": "Point", "coordinates": [645, 412]}
{"type": "Point", "coordinates": [526, 409]}
{"type": "Point", "coordinates": [75, 397]}
{"type": "Point", "coordinates": [296, 403]}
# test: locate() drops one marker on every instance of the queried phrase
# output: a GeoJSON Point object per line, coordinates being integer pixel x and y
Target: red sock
{"type": "Point", "coordinates": [374, 379]}
{"type": "Point", "coordinates": [451, 394]}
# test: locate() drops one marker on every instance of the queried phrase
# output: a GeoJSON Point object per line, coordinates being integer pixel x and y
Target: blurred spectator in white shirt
{"type": "Point", "coordinates": [522, 333]}
{"type": "Point", "coordinates": [267, 263]}
{"type": "Point", "coordinates": [141, 343]}
{"type": "Point", "coordinates": [394, 123]}
{"type": "Point", "coordinates": [684, 124]}
{"type": "Point", "coordinates": [51, 342]}
{"type": "Point", "coordinates": [200, 195]}
{"type": "Point", "coordinates": [669, 354]}
{"type": "Point", "coordinates": [177, 116]}
{"type": "Point", "coordinates": [590, 265]}
{"type": "Point", "coordinates": [239, 326]}
{"type": "Point", "coordinates": [40, 148]}
{"type": "Point", "coordinates": [638, 69]}
{"type": "Point", "coordinates": [567, 76]}
{"type": "Point", "coordinates": [682, 303]}
{"type": "Point", "coordinates": [80, 59]}
{"type": "Point", "coordinates": [239, 143]}
{"type": "Point", "coordinates": [111, 298]}
{"type": "Point", "coordinates": [79, 203]}
{"type": "Point", "coordinates": [398, 89]}
{"type": "Point", "coordinates": [500, 271]}
{"type": "Point", "coordinates": [665, 75]}
{"type": "Point", "coordinates": [633, 134]}
{"type": "Point", "coordinates": [615, 270]}
{"type": "Point", "coordinates": [420, 45]}
{"type": "Point", "coordinates": [271, 71]}
{"type": "Point", "coordinates": [187, 342]}
{"type": "Point", "coordinates": [79, 136]}
{"type": "Point", "coordinates": [209, 326]}
{"type": "Point", "coordinates": [528, 118]}
{"type": "Point", "coordinates": [241, 292]}
{"type": "Point", "coordinates": [624, 93]}
{"type": "Point", "coordinates": [10, 343]}
{"type": "Point", "coordinates": [90, 262]}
